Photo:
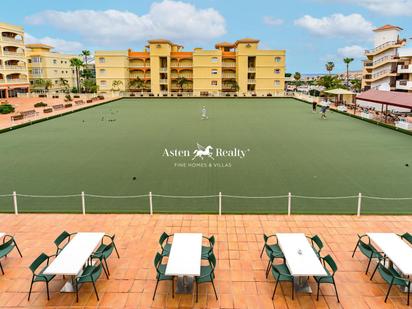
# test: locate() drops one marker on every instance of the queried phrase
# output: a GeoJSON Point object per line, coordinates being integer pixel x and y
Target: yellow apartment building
{"type": "Point", "coordinates": [46, 64]}
{"type": "Point", "coordinates": [164, 68]}
{"type": "Point", "coordinates": [13, 62]}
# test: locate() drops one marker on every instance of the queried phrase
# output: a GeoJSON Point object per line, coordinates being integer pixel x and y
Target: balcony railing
{"type": "Point", "coordinates": [14, 40]}
{"type": "Point", "coordinates": [138, 65]}
{"type": "Point", "coordinates": [163, 70]}
{"type": "Point", "coordinates": [404, 84]}
{"type": "Point", "coordinates": [17, 80]}
{"type": "Point", "coordinates": [383, 59]}
{"type": "Point", "coordinates": [382, 46]}
{"type": "Point", "coordinates": [14, 67]}
{"type": "Point", "coordinates": [181, 65]}
{"type": "Point", "coordinates": [251, 81]}
{"type": "Point", "coordinates": [182, 75]}
{"type": "Point", "coordinates": [11, 53]}
{"type": "Point", "coordinates": [229, 76]}
{"type": "Point", "coordinates": [405, 68]}
{"type": "Point", "coordinates": [229, 64]}
{"type": "Point", "coordinates": [163, 81]}
{"type": "Point", "coordinates": [2, 81]}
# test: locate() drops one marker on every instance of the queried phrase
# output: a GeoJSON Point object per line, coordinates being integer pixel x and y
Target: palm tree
{"type": "Point", "coordinates": [232, 83]}
{"type": "Point", "coordinates": [329, 66]}
{"type": "Point", "coordinates": [356, 84]}
{"type": "Point", "coordinates": [39, 83]}
{"type": "Point", "coordinates": [85, 54]}
{"type": "Point", "coordinates": [297, 76]}
{"type": "Point", "coordinates": [329, 82]}
{"type": "Point", "coordinates": [181, 81]}
{"type": "Point", "coordinates": [136, 83]}
{"type": "Point", "coordinates": [64, 83]}
{"type": "Point", "coordinates": [77, 64]}
{"type": "Point", "coordinates": [347, 61]}
{"type": "Point", "coordinates": [116, 85]}
{"type": "Point", "coordinates": [47, 85]}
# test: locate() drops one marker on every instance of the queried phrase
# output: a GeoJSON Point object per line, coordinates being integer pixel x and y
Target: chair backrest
{"type": "Point", "coordinates": [97, 271]}
{"type": "Point", "coordinates": [162, 238]}
{"type": "Point", "coordinates": [265, 238]}
{"type": "Point", "coordinates": [407, 237]}
{"type": "Point", "coordinates": [386, 275]}
{"type": "Point", "coordinates": [157, 260]}
{"type": "Point", "coordinates": [7, 244]}
{"type": "Point", "coordinates": [316, 239]}
{"type": "Point", "coordinates": [212, 260]}
{"type": "Point", "coordinates": [212, 240]}
{"type": "Point", "coordinates": [37, 262]}
{"type": "Point", "coordinates": [62, 237]}
{"type": "Point", "coordinates": [329, 260]}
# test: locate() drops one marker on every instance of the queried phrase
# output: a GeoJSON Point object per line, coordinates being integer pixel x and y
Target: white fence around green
{"type": "Point", "coordinates": [151, 207]}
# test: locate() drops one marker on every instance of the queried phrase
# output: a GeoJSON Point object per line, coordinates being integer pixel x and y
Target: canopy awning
{"type": "Point", "coordinates": [339, 91]}
{"type": "Point", "coordinates": [392, 98]}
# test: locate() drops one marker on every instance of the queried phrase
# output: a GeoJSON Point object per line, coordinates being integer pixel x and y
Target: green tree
{"type": "Point", "coordinates": [356, 84]}
{"type": "Point", "coordinates": [137, 83]}
{"type": "Point", "coordinates": [64, 83]}
{"type": "Point", "coordinates": [77, 64]}
{"type": "Point", "coordinates": [232, 84]}
{"type": "Point", "coordinates": [330, 66]}
{"type": "Point", "coordinates": [347, 61]}
{"type": "Point", "coordinates": [89, 86]}
{"type": "Point", "coordinates": [329, 82]}
{"type": "Point", "coordinates": [85, 54]}
{"type": "Point", "coordinates": [181, 81]}
{"type": "Point", "coordinates": [116, 85]}
{"type": "Point", "coordinates": [48, 84]}
{"type": "Point", "coordinates": [288, 74]}
{"type": "Point", "coordinates": [297, 76]}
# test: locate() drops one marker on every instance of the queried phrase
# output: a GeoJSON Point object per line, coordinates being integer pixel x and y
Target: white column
{"type": "Point", "coordinates": [220, 203]}
{"type": "Point", "coordinates": [16, 211]}
{"type": "Point", "coordinates": [289, 203]}
{"type": "Point", "coordinates": [151, 203]}
{"type": "Point", "coordinates": [359, 203]}
{"type": "Point", "coordinates": [83, 204]}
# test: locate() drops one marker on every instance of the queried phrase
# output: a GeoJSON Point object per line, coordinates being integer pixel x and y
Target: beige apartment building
{"type": "Point", "coordinates": [163, 68]}
{"type": "Point", "coordinates": [388, 65]}
{"type": "Point", "coordinates": [46, 64]}
{"type": "Point", "coordinates": [13, 62]}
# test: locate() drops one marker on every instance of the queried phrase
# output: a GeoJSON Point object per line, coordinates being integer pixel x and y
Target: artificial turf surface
{"type": "Point", "coordinates": [116, 149]}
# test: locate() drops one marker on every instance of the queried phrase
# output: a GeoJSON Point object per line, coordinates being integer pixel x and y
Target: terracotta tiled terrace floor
{"type": "Point", "coordinates": [240, 275]}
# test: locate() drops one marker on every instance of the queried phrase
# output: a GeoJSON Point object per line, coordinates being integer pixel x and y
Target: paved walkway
{"type": "Point", "coordinates": [240, 277]}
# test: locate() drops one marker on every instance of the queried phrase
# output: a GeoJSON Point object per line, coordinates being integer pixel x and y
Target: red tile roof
{"type": "Point", "coordinates": [387, 27]}
{"type": "Point", "coordinates": [400, 99]}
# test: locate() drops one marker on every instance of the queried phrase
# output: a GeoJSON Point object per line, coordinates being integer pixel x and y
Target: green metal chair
{"type": "Point", "coordinates": [164, 243]}
{"type": "Point", "coordinates": [407, 237]}
{"type": "Point", "coordinates": [9, 243]}
{"type": "Point", "coordinates": [316, 243]}
{"type": "Point", "coordinates": [207, 250]}
{"type": "Point", "coordinates": [392, 277]}
{"type": "Point", "coordinates": [90, 274]}
{"type": "Point", "coordinates": [105, 251]}
{"type": "Point", "coordinates": [281, 273]}
{"type": "Point", "coordinates": [161, 276]}
{"type": "Point", "coordinates": [367, 250]}
{"type": "Point", "coordinates": [330, 277]}
{"type": "Point", "coordinates": [272, 251]}
{"type": "Point", "coordinates": [207, 275]}
{"type": "Point", "coordinates": [38, 276]}
{"type": "Point", "coordinates": [62, 240]}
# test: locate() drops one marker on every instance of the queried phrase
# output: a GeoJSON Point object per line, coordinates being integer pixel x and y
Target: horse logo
{"type": "Point", "coordinates": [201, 152]}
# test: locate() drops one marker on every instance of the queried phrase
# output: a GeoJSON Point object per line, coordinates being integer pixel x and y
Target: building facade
{"type": "Point", "coordinates": [380, 70]}
{"type": "Point", "coordinates": [14, 76]}
{"type": "Point", "coordinates": [163, 68]}
{"type": "Point", "coordinates": [48, 65]}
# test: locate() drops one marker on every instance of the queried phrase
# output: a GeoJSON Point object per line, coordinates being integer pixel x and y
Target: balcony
{"type": "Point", "coordinates": [163, 70]}
{"type": "Point", "coordinates": [181, 65]}
{"type": "Point", "coordinates": [17, 81]}
{"type": "Point", "coordinates": [138, 65]}
{"type": "Point", "coordinates": [404, 84]}
{"type": "Point", "coordinates": [229, 64]}
{"type": "Point", "coordinates": [163, 82]}
{"type": "Point", "coordinates": [14, 68]}
{"type": "Point", "coordinates": [405, 68]}
{"type": "Point", "coordinates": [381, 48]}
{"type": "Point", "coordinates": [251, 70]}
{"type": "Point", "coordinates": [188, 76]}
{"type": "Point", "coordinates": [13, 54]}
{"type": "Point", "coordinates": [229, 76]}
{"type": "Point", "coordinates": [2, 81]}
{"type": "Point", "coordinates": [12, 40]}
{"type": "Point", "coordinates": [251, 81]}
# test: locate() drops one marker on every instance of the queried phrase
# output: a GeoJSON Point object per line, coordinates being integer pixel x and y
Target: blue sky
{"type": "Point", "coordinates": [311, 31]}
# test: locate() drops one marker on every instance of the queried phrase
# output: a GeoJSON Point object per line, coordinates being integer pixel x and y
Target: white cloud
{"type": "Point", "coordinates": [58, 44]}
{"type": "Point", "coordinates": [383, 7]}
{"type": "Point", "coordinates": [169, 19]}
{"type": "Point", "coordinates": [272, 21]}
{"type": "Point", "coordinates": [352, 26]}
{"type": "Point", "coordinates": [353, 51]}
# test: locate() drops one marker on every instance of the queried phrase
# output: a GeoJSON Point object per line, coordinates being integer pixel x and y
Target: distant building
{"type": "Point", "coordinates": [13, 62]}
{"type": "Point", "coordinates": [239, 67]}
{"type": "Point", "coordinates": [388, 65]}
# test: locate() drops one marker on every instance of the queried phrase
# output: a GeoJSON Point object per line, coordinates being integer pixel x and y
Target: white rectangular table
{"type": "Point", "coordinates": [2, 234]}
{"type": "Point", "coordinates": [397, 250]}
{"type": "Point", "coordinates": [301, 260]}
{"type": "Point", "coordinates": [185, 259]}
{"type": "Point", "coordinates": [73, 257]}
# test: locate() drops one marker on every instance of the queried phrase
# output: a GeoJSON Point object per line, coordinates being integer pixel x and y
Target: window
{"type": "Point", "coordinates": [277, 83]}
{"type": "Point", "coordinates": [277, 59]}
{"type": "Point", "coordinates": [36, 59]}
{"type": "Point", "coordinates": [277, 71]}
{"type": "Point", "coordinates": [214, 59]}
{"type": "Point", "coordinates": [214, 83]}
{"type": "Point", "coordinates": [36, 71]}
{"type": "Point", "coordinates": [214, 71]}
{"type": "Point", "coordinates": [56, 81]}
{"type": "Point", "coordinates": [54, 61]}
{"type": "Point", "coordinates": [102, 60]}
{"type": "Point", "coordinates": [55, 71]}
{"type": "Point", "coordinates": [103, 83]}
{"type": "Point", "coordinates": [102, 71]}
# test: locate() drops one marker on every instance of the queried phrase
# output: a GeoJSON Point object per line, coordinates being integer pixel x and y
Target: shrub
{"type": "Point", "coordinates": [68, 97]}
{"type": "Point", "coordinates": [40, 104]}
{"type": "Point", "coordinates": [6, 109]}
{"type": "Point", "coordinates": [314, 93]}
{"type": "Point", "coordinates": [68, 105]}
{"type": "Point", "coordinates": [47, 110]}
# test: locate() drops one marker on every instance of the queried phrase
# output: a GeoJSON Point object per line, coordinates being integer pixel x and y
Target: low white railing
{"type": "Point", "coordinates": [151, 206]}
